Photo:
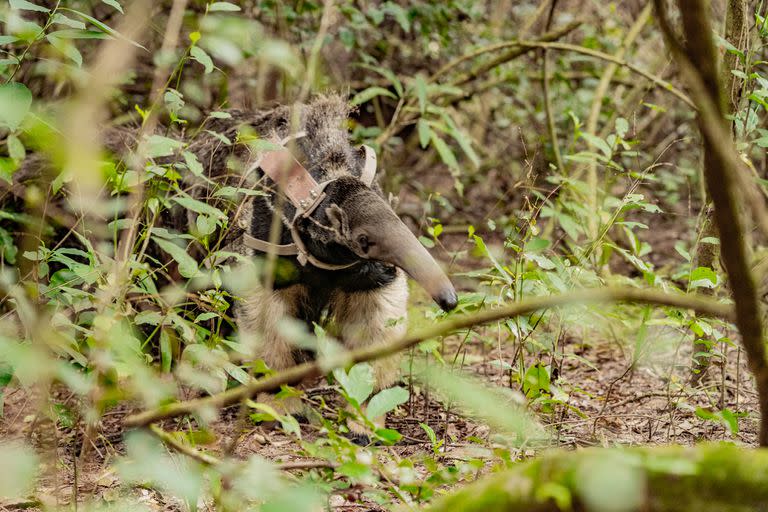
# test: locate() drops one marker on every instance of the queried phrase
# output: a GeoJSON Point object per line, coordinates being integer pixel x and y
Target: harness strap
{"type": "Point", "coordinates": [305, 194]}
{"type": "Point", "coordinates": [262, 246]}
{"type": "Point", "coordinates": [369, 169]}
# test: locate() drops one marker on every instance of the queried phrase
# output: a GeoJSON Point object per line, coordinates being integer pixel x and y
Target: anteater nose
{"type": "Point", "coordinates": [447, 300]}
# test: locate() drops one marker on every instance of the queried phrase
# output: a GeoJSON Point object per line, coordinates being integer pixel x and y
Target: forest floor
{"type": "Point", "coordinates": [619, 392]}
{"type": "Point", "coordinates": [610, 402]}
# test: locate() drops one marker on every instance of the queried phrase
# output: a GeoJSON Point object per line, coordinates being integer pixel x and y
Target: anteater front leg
{"type": "Point", "coordinates": [258, 318]}
{"type": "Point", "coordinates": [374, 317]}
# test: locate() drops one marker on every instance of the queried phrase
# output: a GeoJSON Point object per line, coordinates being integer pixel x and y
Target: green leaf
{"type": "Point", "coordinates": [8, 39]}
{"type": "Point", "coordinates": [8, 250]}
{"type": "Point", "coordinates": [389, 75]}
{"type": "Point", "coordinates": [355, 470]}
{"type": "Point", "coordinates": [400, 15]}
{"type": "Point", "coordinates": [27, 31]}
{"type": "Point", "coordinates": [370, 93]}
{"type": "Point", "coordinates": [426, 242]}
{"type": "Point", "coordinates": [237, 373]}
{"type": "Point", "coordinates": [388, 435]}
{"type": "Point", "coordinates": [223, 7]}
{"type": "Point", "coordinates": [64, 416]}
{"type": "Point", "coordinates": [159, 146]}
{"type": "Point", "coordinates": [174, 100]}
{"type": "Point", "coordinates": [114, 3]}
{"type": "Point", "coordinates": [148, 317]}
{"type": "Point", "coordinates": [464, 142]}
{"type": "Point", "coordinates": [445, 152]}
{"type": "Point", "coordinates": [682, 251]}
{"type": "Point", "coordinates": [69, 22]}
{"type": "Point", "coordinates": [199, 207]}
{"type": "Point", "coordinates": [597, 142]}
{"type": "Point", "coordinates": [66, 47]}
{"type": "Point", "coordinates": [203, 58]}
{"type": "Point", "coordinates": [103, 27]}
{"type": "Point", "coordinates": [193, 164]}
{"type": "Point", "coordinates": [425, 132]}
{"type": "Point", "coordinates": [79, 34]}
{"type": "Point", "coordinates": [15, 101]}
{"type": "Point", "coordinates": [703, 277]}
{"type": "Point", "coordinates": [27, 6]}
{"type": "Point", "coordinates": [430, 433]}
{"type": "Point", "coordinates": [205, 226]}
{"type": "Point", "coordinates": [730, 420]}
{"type": "Point", "coordinates": [358, 382]}
{"type": "Point", "coordinates": [187, 264]}
{"type": "Point", "coordinates": [542, 261]}
{"type": "Point", "coordinates": [15, 148]}
{"type": "Point", "coordinates": [6, 374]}
{"type": "Point", "coordinates": [166, 351]}
{"type": "Point", "coordinates": [622, 127]}
{"type": "Point", "coordinates": [421, 93]}
{"type": "Point", "coordinates": [536, 380]}
{"type": "Point", "coordinates": [384, 401]}
{"type": "Point", "coordinates": [202, 317]}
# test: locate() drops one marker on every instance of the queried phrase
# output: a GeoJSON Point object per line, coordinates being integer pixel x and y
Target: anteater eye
{"type": "Point", "coordinates": [363, 242]}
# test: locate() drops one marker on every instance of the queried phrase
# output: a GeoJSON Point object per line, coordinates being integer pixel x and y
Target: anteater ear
{"type": "Point", "coordinates": [339, 222]}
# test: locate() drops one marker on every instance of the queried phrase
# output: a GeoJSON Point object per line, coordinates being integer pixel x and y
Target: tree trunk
{"type": "Point", "coordinates": [707, 254]}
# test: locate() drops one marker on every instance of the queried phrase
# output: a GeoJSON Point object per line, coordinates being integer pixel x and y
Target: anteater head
{"type": "Point", "coordinates": [355, 223]}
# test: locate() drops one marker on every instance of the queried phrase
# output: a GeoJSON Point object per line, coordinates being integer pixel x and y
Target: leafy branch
{"type": "Point", "coordinates": [308, 370]}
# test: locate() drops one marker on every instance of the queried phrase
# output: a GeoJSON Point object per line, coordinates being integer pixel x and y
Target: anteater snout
{"type": "Point", "coordinates": [447, 300]}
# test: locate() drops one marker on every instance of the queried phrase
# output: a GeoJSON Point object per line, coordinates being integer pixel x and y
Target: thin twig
{"type": "Point", "coordinates": [184, 449]}
{"type": "Point", "coordinates": [549, 36]}
{"type": "Point", "coordinates": [610, 58]}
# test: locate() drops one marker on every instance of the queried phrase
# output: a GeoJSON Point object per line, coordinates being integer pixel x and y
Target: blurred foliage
{"type": "Point", "coordinates": [115, 320]}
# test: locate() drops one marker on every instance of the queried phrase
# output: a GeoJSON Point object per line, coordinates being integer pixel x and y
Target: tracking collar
{"type": "Point", "coordinates": [304, 193]}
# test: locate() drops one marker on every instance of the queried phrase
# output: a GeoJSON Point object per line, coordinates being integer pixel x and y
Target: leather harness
{"type": "Point", "coordinates": [304, 193]}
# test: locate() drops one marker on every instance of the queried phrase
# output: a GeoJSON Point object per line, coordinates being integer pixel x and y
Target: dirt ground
{"type": "Point", "coordinates": [610, 402]}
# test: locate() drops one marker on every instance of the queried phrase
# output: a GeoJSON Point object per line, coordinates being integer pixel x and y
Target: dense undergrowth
{"type": "Point", "coordinates": [535, 148]}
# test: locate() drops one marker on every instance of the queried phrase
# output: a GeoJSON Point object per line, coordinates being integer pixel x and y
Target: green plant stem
{"type": "Point", "coordinates": [307, 370]}
{"type": "Point", "coordinates": [551, 128]}
{"type": "Point", "coordinates": [38, 37]}
{"type": "Point", "coordinates": [593, 226]}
